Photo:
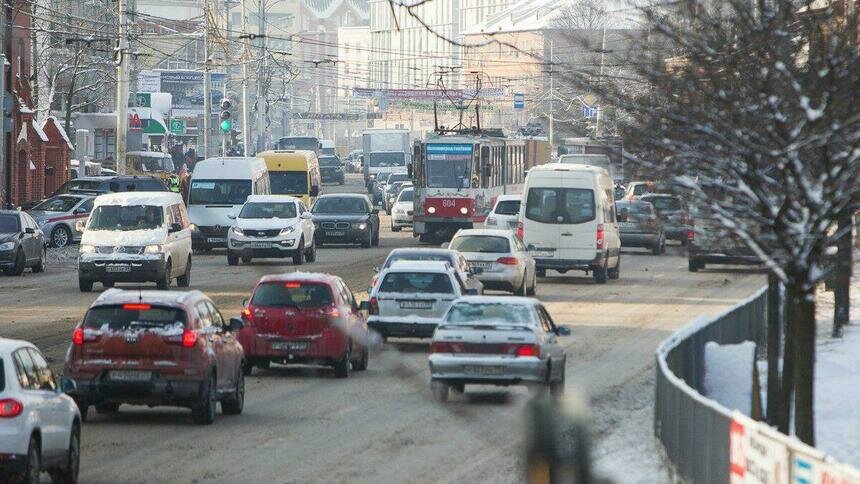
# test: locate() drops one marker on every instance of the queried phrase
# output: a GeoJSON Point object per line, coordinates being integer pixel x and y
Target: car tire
{"type": "Point", "coordinates": [532, 290]}
{"type": "Point", "coordinates": [107, 408]}
{"type": "Point", "coordinates": [68, 473]}
{"type": "Point", "coordinates": [663, 245]}
{"type": "Point", "coordinates": [540, 272]}
{"type": "Point", "coordinates": [85, 285]}
{"type": "Point", "coordinates": [61, 236]}
{"type": "Point", "coordinates": [369, 242]}
{"type": "Point", "coordinates": [33, 467]}
{"type": "Point", "coordinates": [656, 248]}
{"type": "Point", "coordinates": [601, 274]}
{"type": "Point", "coordinates": [185, 279]}
{"type": "Point", "coordinates": [107, 284]}
{"type": "Point", "coordinates": [361, 363]}
{"type": "Point", "coordinates": [234, 404]}
{"type": "Point", "coordinates": [83, 407]}
{"type": "Point", "coordinates": [458, 388]}
{"type": "Point", "coordinates": [342, 366]}
{"type": "Point", "coordinates": [522, 289]}
{"type": "Point", "coordinates": [164, 282]}
{"type": "Point", "coordinates": [299, 256]}
{"type": "Point", "coordinates": [616, 272]}
{"type": "Point", "coordinates": [20, 262]}
{"type": "Point", "coordinates": [440, 390]}
{"type": "Point", "coordinates": [204, 412]}
{"type": "Point", "coordinates": [395, 229]}
{"type": "Point", "coordinates": [40, 266]}
{"type": "Point", "coordinates": [247, 367]}
{"type": "Point", "coordinates": [311, 255]}
{"type": "Point", "coordinates": [232, 259]}
{"type": "Point", "coordinates": [556, 388]}
{"type": "Point", "coordinates": [246, 259]}
{"type": "Point", "coordinates": [693, 265]}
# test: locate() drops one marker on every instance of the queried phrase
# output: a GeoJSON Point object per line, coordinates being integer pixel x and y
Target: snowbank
{"type": "Point", "coordinates": [728, 374]}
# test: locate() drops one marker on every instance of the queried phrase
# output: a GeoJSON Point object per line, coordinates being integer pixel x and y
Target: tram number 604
{"type": "Point", "coordinates": [448, 203]}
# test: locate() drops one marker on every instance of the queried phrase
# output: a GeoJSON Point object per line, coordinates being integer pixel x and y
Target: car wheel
{"type": "Point", "coordinates": [234, 404]}
{"type": "Point", "coordinates": [458, 388]}
{"type": "Point", "coordinates": [663, 245]}
{"type": "Point", "coordinates": [34, 463]}
{"type": "Point", "coordinates": [342, 366]}
{"type": "Point", "coordinates": [247, 367]}
{"type": "Point", "coordinates": [299, 256]}
{"type": "Point", "coordinates": [204, 412]}
{"type": "Point", "coordinates": [107, 408]}
{"type": "Point", "coordinates": [20, 261]}
{"type": "Point", "coordinates": [395, 229]}
{"type": "Point", "coordinates": [40, 266]}
{"type": "Point", "coordinates": [311, 255]}
{"type": "Point", "coordinates": [83, 407]}
{"type": "Point", "coordinates": [532, 290]}
{"type": "Point", "coordinates": [693, 265]}
{"type": "Point", "coordinates": [369, 240]}
{"type": "Point", "coordinates": [601, 274]}
{"type": "Point", "coordinates": [246, 259]}
{"type": "Point", "coordinates": [375, 241]}
{"type": "Point", "coordinates": [68, 473]}
{"type": "Point", "coordinates": [616, 272]}
{"type": "Point", "coordinates": [61, 236]}
{"type": "Point", "coordinates": [540, 272]}
{"type": "Point", "coordinates": [522, 289]}
{"type": "Point", "coordinates": [440, 390]}
{"type": "Point", "coordinates": [164, 282]}
{"type": "Point", "coordinates": [656, 248]}
{"type": "Point", "coordinates": [361, 363]}
{"type": "Point", "coordinates": [556, 388]}
{"type": "Point", "coordinates": [185, 279]}
{"type": "Point", "coordinates": [232, 259]}
{"type": "Point", "coordinates": [85, 285]}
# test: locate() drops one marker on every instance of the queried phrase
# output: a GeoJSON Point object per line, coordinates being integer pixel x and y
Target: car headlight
{"type": "Point", "coordinates": [238, 231]}
{"type": "Point", "coordinates": [153, 249]}
{"type": "Point", "coordinates": [288, 230]}
{"type": "Point", "coordinates": [360, 226]}
{"type": "Point", "coordinates": [88, 249]}
{"type": "Point", "coordinates": [431, 210]}
{"type": "Point", "coordinates": [193, 227]}
{"type": "Point", "coordinates": [7, 246]}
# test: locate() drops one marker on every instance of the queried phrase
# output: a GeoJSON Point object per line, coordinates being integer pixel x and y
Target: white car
{"type": "Point", "coordinates": [505, 213]}
{"type": "Point", "coordinates": [401, 211]}
{"type": "Point", "coordinates": [39, 424]}
{"type": "Point", "coordinates": [504, 261]}
{"type": "Point", "coordinates": [275, 226]}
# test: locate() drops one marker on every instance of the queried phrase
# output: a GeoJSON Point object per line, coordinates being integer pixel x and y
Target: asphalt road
{"type": "Point", "coordinates": [302, 425]}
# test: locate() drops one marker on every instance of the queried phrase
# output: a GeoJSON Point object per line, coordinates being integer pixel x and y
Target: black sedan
{"type": "Point", "coordinates": [22, 243]}
{"type": "Point", "coordinates": [345, 218]}
{"type": "Point", "coordinates": [331, 170]}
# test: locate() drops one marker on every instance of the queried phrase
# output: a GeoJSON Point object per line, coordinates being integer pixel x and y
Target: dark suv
{"type": "Point", "coordinates": [98, 185]}
{"type": "Point", "coordinates": [157, 348]}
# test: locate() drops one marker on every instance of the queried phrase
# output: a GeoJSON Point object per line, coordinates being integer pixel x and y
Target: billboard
{"type": "Point", "coordinates": [185, 86]}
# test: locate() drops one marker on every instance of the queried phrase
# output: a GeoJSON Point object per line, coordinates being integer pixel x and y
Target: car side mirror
{"type": "Point", "coordinates": [471, 291]}
{"type": "Point", "coordinates": [364, 306]}
{"type": "Point", "coordinates": [235, 325]}
{"type": "Point", "coordinates": [80, 225]}
{"type": "Point", "coordinates": [174, 228]}
{"type": "Point", "coordinates": [306, 216]}
{"type": "Point", "coordinates": [78, 211]}
{"type": "Point", "coordinates": [562, 331]}
{"type": "Point", "coordinates": [67, 385]}
{"type": "Point", "coordinates": [29, 230]}
{"type": "Point", "coordinates": [376, 269]}
{"type": "Point", "coordinates": [245, 302]}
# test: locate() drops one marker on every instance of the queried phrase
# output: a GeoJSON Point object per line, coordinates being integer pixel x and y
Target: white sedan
{"type": "Point", "coordinates": [504, 261]}
{"type": "Point", "coordinates": [401, 210]}
{"type": "Point", "coordinates": [39, 424]}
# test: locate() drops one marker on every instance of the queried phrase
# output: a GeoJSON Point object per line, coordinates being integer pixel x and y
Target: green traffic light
{"type": "Point", "coordinates": [226, 125]}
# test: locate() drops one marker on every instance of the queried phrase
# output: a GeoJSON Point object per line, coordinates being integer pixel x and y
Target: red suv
{"type": "Point", "coordinates": [157, 348]}
{"type": "Point", "coordinates": [304, 318]}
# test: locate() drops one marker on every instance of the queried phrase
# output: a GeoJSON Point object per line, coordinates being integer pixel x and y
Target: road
{"type": "Point", "coordinates": [302, 425]}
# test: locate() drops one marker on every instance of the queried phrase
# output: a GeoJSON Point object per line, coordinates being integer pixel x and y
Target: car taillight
{"type": "Point", "coordinates": [508, 261]}
{"type": "Point", "coordinates": [520, 230]}
{"type": "Point", "coordinates": [527, 350]}
{"type": "Point", "coordinates": [599, 236]}
{"type": "Point", "coordinates": [247, 315]}
{"type": "Point", "coordinates": [691, 235]}
{"type": "Point", "coordinates": [444, 347]}
{"type": "Point", "coordinates": [331, 312]}
{"type": "Point", "coordinates": [9, 407]}
{"type": "Point", "coordinates": [189, 338]}
{"type": "Point", "coordinates": [374, 306]}
{"type": "Point", "coordinates": [78, 337]}
{"type": "Point", "coordinates": [374, 281]}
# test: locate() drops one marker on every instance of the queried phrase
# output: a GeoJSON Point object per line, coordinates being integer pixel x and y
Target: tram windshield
{"type": "Point", "coordinates": [449, 165]}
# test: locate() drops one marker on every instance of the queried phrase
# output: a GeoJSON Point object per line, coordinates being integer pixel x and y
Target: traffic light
{"type": "Point", "coordinates": [226, 122]}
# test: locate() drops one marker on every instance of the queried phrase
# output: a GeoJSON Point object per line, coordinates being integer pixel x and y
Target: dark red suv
{"type": "Point", "coordinates": [157, 348]}
{"type": "Point", "coordinates": [304, 318]}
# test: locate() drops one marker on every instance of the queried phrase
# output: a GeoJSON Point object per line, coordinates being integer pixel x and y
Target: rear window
{"type": "Point", "coordinates": [669, 204]}
{"type": "Point", "coordinates": [481, 243]}
{"type": "Point", "coordinates": [417, 282]}
{"type": "Point", "coordinates": [489, 313]}
{"type": "Point", "coordinates": [131, 316]}
{"type": "Point", "coordinates": [560, 205]}
{"type": "Point", "coordinates": [293, 294]}
{"type": "Point", "coordinates": [508, 207]}
{"type": "Point", "coordinates": [406, 196]}
{"type": "Point", "coordinates": [638, 208]}
{"type": "Point", "coordinates": [143, 185]}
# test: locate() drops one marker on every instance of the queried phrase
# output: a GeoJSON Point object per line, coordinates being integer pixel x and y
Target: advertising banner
{"type": "Point", "coordinates": [185, 86]}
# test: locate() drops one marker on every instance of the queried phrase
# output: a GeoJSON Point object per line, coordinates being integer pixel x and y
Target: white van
{"type": "Point", "coordinates": [568, 220]}
{"type": "Point", "coordinates": [136, 237]}
{"type": "Point", "coordinates": [219, 187]}
{"type": "Point", "coordinates": [598, 160]}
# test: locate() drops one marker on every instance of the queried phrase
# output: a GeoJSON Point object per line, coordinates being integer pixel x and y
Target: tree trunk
{"type": "Point", "coordinates": [34, 60]}
{"type": "Point", "coordinates": [774, 337]}
{"type": "Point", "coordinates": [801, 314]}
{"type": "Point", "coordinates": [787, 386]}
{"type": "Point", "coordinates": [842, 276]}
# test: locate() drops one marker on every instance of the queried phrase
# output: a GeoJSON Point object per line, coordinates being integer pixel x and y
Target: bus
{"type": "Point", "coordinates": [293, 172]}
{"type": "Point", "coordinates": [457, 178]}
{"type": "Point", "coordinates": [153, 163]}
{"type": "Point", "coordinates": [308, 143]}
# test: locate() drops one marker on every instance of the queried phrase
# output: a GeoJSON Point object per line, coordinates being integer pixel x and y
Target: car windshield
{"type": "Point", "coordinates": [57, 204]}
{"type": "Point", "coordinates": [219, 192]}
{"type": "Point", "coordinates": [292, 293]}
{"type": "Point", "coordinates": [508, 207]}
{"type": "Point", "coordinates": [396, 177]}
{"type": "Point", "coordinates": [636, 208]}
{"type": "Point", "coordinates": [153, 162]}
{"type": "Point", "coordinates": [382, 160]}
{"type": "Point", "coordinates": [329, 161]}
{"type": "Point", "coordinates": [340, 205]}
{"type": "Point", "coordinates": [125, 217]}
{"type": "Point", "coordinates": [299, 143]}
{"type": "Point", "coordinates": [418, 256]}
{"type": "Point", "coordinates": [474, 313]}
{"type": "Point", "coordinates": [268, 210]}
{"type": "Point", "coordinates": [560, 205]}
{"type": "Point", "coordinates": [417, 282]}
{"type": "Point", "coordinates": [667, 204]}
{"type": "Point", "coordinates": [288, 182]}
{"type": "Point", "coordinates": [8, 224]}
{"type": "Point", "coordinates": [481, 243]}
{"type": "Point", "coordinates": [406, 196]}
{"type": "Point", "coordinates": [135, 315]}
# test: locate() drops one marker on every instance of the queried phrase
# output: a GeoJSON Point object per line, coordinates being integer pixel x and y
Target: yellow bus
{"type": "Point", "coordinates": [293, 172]}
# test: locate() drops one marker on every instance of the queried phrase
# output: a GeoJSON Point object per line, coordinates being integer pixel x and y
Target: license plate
{"type": "Point", "coordinates": [116, 268]}
{"type": "Point", "coordinates": [215, 240]}
{"type": "Point", "coordinates": [121, 375]}
{"type": "Point", "coordinates": [335, 233]}
{"type": "Point", "coordinates": [542, 253]}
{"type": "Point", "coordinates": [482, 265]}
{"type": "Point", "coordinates": [260, 245]}
{"type": "Point", "coordinates": [416, 304]}
{"type": "Point", "coordinates": [484, 370]}
{"type": "Point", "coordinates": [626, 225]}
{"type": "Point", "coordinates": [290, 346]}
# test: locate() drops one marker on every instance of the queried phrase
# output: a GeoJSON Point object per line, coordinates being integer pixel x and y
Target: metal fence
{"type": "Point", "coordinates": [694, 430]}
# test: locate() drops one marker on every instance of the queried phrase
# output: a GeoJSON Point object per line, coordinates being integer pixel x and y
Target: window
{"type": "Point", "coordinates": [560, 205]}
{"type": "Point", "coordinates": [121, 317]}
{"type": "Point", "coordinates": [43, 373]}
{"type": "Point", "coordinates": [507, 207]}
{"type": "Point", "coordinates": [480, 244]}
{"type": "Point", "coordinates": [87, 206]}
{"type": "Point", "coordinates": [214, 315]}
{"type": "Point", "coordinates": [25, 369]}
{"type": "Point", "coordinates": [546, 320]}
{"type": "Point", "coordinates": [9, 224]}
{"type": "Point", "coordinates": [289, 182]}
{"type": "Point", "coordinates": [417, 282]}
{"type": "Point", "coordinates": [484, 313]}
{"type": "Point", "coordinates": [293, 293]}
{"type": "Point", "coordinates": [219, 192]}
{"type": "Point", "coordinates": [203, 314]}
{"type": "Point", "coordinates": [266, 210]}
{"type": "Point", "coordinates": [126, 217]}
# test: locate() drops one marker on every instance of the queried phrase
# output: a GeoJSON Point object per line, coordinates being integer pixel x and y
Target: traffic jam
{"type": "Point", "coordinates": [489, 220]}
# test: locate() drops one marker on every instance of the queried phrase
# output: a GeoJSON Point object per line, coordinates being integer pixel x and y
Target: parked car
{"type": "Point", "coordinates": [505, 213]}
{"type": "Point", "coordinates": [452, 257]}
{"type": "Point", "coordinates": [22, 243]}
{"type": "Point", "coordinates": [345, 218]}
{"type": "Point", "coordinates": [157, 348]}
{"type": "Point", "coordinates": [504, 261]}
{"type": "Point", "coordinates": [331, 170]}
{"type": "Point", "coordinates": [304, 318]}
{"type": "Point", "coordinates": [707, 244]}
{"type": "Point", "coordinates": [410, 298]}
{"type": "Point", "coordinates": [97, 185]}
{"type": "Point", "coordinates": [496, 341]}
{"type": "Point", "coordinates": [673, 214]}
{"type": "Point", "coordinates": [276, 226]}
{"type": "Point", "coordinates": [136, 237]}
{"type": "Point", "coordinates": [402, 210]}
{"type": "Point", "coordinates": [639, 226]}
{"type": "Point", "coordinates": [58, 216]}
{"type": "Point", "coordinates": [40, 426]}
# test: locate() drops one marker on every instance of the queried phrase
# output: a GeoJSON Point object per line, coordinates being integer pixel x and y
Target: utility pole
{"type": "Point", "coordinates": [551, 94]}
{"type": "Point", "coordinates": [600, 80]}
{"type": "Point", "coordinates": [262, 75]}
{"type": "Point", "coordinates": [246, 127]}
{"type": "Point", "coordinates": [207, 81]}
{"type": "Point", "coordinates": [122, 60]}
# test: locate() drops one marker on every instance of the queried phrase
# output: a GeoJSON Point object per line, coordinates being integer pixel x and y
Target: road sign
{"type": "Point", "coordinates": [134, 122]}
{"type": "Point", "coordinates": [589, 112]}
{"type": "Point", "coordinates": [177, 126]}
{"type": "Point", "coordinates": [519, 101]}
{"type": "Point", "coordinates": [143, 100]}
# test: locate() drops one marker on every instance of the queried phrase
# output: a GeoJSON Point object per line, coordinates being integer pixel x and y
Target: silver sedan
{"type": "Point", "coordinates": [500, 259]}
{"type": "Point", "coordinates": [57, 215]}
{"type": "Point", "coordinates": [496, 341]}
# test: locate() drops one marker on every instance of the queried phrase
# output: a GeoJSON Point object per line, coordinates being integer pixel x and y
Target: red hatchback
{"type": "Point", "coordinates": [304, 318]}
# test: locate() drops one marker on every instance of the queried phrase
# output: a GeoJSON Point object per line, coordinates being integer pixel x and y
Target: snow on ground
{"type": "Point", "coordinates": [728, 374]}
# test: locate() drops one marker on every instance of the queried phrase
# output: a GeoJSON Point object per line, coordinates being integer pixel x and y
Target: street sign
{"type": "Point", "coordinates": [134, 122]}
{"type": "Point", "coordinates": [519, 101]}
{"type": "Point", "coordinates": [143, 100]}
{"type": "Point", "coordinates": [177, 126]}
{"type": "Point", "coordinates": [589, 112]}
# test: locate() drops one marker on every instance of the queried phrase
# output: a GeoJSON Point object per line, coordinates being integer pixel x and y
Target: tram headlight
{"type": "Point", "coordinates": [431, 210]}
{"type": "Point", "coordinates": [464, 210]}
